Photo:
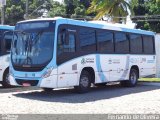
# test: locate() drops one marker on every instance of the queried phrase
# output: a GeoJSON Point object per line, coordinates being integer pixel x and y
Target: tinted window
{"type": "Point", "coordinates": [87, 39]}
{"type": "Point", "coordinates": [148, 44]}
{"type": "Point", "coordinates": [66, 44]}
{"type": "Point", "coordinates": [105, 41]}
{"type": "Point", "coordinates": [61, 40]}
{"type": "Point", "coordinates": [135, 44]}
{"type": "Point", "coordinates": [1, 37]}
{"type": "Point", "coordinates": [121, 43]}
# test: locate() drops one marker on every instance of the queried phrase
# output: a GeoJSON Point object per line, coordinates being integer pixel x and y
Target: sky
{"type": "Point", "coordinates": [58, 0]}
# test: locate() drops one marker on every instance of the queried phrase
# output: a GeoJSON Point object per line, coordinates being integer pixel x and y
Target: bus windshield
{"type": "Point", "coordinates": [32, 44]}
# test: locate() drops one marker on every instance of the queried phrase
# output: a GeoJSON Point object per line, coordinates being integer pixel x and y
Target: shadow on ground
{"type": "Point", "coordinates": [96, 93]}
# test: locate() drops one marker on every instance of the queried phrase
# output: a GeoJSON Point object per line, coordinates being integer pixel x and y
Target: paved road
{"type": "Point", "coordinates": [109, 99]}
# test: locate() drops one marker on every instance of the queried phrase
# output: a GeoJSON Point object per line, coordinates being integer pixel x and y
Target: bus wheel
{"type": "Point", "coordinates": [5, 82]}
{"type": "Point", "coordinates": [47, 89]}
{"type": "Point", "coordinates": [84, 82]}
{"type": "Point", "coordinates": [133, 79]}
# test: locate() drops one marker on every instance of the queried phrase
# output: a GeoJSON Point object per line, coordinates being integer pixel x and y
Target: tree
{"type": "Point", "coordinates": [37, 7]}
{"type": "Point", "coordinates": [15, 9]}
{"type": "Point", "coordinates": [153, 7]}
{"type": "Point", "coordinates": [139, 9]}
{"type": "Point", "coordinates": [149, 9]}
{"type": "Point", "coordinates": [110, 8]}
{"type": "Point", "coordinates": [57, 9]}
{"type": "Point", "coordinates": [76, 8]}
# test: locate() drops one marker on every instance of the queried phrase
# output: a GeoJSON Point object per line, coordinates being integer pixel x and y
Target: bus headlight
{"type": "Point", "coordinates": [47, 73]}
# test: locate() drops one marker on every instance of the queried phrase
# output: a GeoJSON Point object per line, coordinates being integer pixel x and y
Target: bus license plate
{"type": "Point", "coordinates": [26, 84]}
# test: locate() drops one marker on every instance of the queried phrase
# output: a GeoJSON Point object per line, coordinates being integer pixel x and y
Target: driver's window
{"type": "Point", "coordinates": [66, 42]}
{"type": "Point", "coordinates": [61, 40]}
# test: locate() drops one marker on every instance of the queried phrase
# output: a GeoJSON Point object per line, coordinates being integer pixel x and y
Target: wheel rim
{"type": "Point", "coordinates": [133, 77]}
{"type": "Point", "coordinates": [84, 81]}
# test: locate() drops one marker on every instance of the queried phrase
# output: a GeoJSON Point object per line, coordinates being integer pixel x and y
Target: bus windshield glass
{"type": "Point", "coordinates": [32, 43]}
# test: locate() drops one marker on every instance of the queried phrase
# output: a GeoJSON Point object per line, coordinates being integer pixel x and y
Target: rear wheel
{"type": "Point", "coordinates": [84, 82]}
{"type": "Point", "coordinates": [5, 82]}
{"type": "Point", "coordinates": [133, 79]}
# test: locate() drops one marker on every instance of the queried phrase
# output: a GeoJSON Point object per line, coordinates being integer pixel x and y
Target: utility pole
{"type": "Point", "coordinates": [2, 15]}
{"type": "Point", "coordinates": [2, 4]}
{"type": "Point", "coordinates": [27, 8]}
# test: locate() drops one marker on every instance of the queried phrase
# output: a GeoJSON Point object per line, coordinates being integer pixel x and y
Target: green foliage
{"type": "Point", "coordinates": [14, 11]}
{"type": "Point", "coordinates": [57, 9]}
{"type": "Point", "coordinates": [76, 8]}
{"type": "Point", "coordinates": [111, 8]}
{"type": "Point", "coordinates": [147, 8]}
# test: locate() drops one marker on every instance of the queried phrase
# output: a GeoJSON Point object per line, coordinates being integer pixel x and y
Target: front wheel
{"type": "Point", "coordinates": [133, 79]}
{"type": "Point", "coordinates": [84, 82]}
{"type": "Point", "coordinates": [5, 82]}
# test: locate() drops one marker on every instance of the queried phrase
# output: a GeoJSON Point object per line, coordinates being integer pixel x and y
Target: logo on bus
{"type": "Point", "coordinates": [87, 60]}
{"type": "Point", "coordinates": [83, 61]}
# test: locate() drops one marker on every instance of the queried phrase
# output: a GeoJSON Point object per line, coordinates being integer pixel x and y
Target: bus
{"type": "Point", "coordinates": [6, 33]}
{"type": "Point", "coordinates": [60, 52]}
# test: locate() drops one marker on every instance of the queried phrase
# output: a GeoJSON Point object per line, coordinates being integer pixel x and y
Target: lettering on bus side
{"type": "Point", "coordinates": [87, 60]}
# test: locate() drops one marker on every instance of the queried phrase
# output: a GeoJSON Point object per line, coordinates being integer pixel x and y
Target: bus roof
{"type": "Point", "coordinates": [94, 24]}
{"type": "Point", "coordinates": [7, 27]}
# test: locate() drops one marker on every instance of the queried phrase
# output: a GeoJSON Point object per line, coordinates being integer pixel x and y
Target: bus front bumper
{"type": "Point", "coordinates": [22, 82]}
{"type": "Point", "coordinates": [49, 82]}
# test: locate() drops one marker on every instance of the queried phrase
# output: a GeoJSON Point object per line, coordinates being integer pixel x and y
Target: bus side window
{"type": "Point", "coordinates": [66, 43]}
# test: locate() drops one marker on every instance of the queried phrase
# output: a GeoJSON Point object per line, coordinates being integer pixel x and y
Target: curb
{"type": "Point", "coordinates": [149, 83]}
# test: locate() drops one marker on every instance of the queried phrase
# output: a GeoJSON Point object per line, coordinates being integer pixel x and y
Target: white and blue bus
{"type": "Point", "coordinates": [6, 33]}
{"type": "Point", "coordinates": [58, 52]}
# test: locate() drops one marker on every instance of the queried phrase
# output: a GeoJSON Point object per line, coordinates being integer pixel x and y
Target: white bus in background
{"type": "Point", "coordinates": [157, 42]}
{"type": "Point", "coordinates": [58, 52]}
{"type": "Point", "coordinates": [6, 33]}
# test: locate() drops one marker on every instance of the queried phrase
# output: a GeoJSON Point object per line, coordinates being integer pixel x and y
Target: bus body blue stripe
{"type": "Point", "coordinates": [99, 68]}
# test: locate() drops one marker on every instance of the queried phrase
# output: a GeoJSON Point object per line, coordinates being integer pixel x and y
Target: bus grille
{"type": "Point", "coordinates": [31, 82]}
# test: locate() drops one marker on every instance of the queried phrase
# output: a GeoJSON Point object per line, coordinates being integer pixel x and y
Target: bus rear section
{"type": "Point", "coordinates": [57, 53]}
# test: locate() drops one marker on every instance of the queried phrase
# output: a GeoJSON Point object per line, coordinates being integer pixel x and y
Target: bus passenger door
{"type": "Point", "coordinates": [67, 67]}
{"type": "Point", "coordinates": [119, 67]}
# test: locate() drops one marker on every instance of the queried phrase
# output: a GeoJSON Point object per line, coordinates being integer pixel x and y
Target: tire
{"type": "Point", "coordinates": [84, 82]}
{"type": "Point", "coordinates": [133, 79]}
{"type": "Point", "coordinates": [47, 89]}
{"type": "Point", "coordinates": [5, 82]}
